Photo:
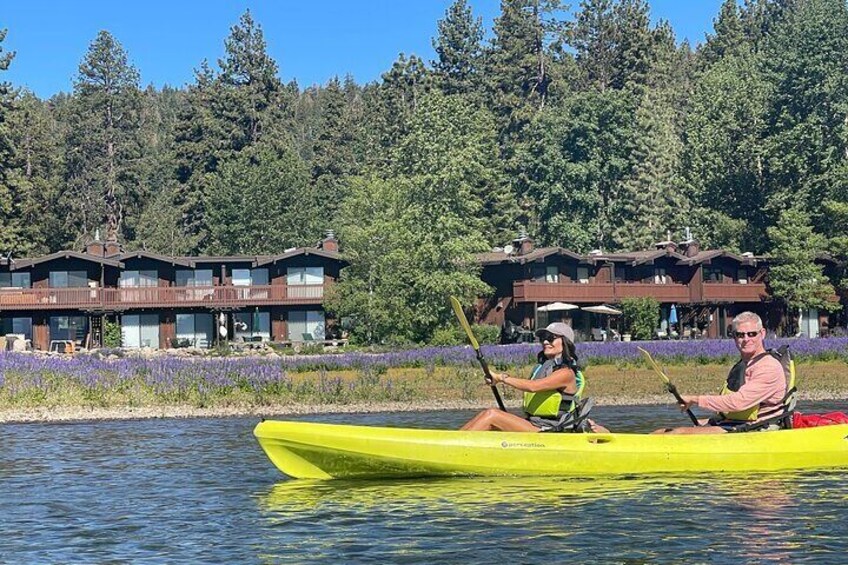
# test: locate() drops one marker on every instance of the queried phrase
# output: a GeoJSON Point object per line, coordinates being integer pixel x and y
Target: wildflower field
{"type": "Point", "coordinates": [614, 370]}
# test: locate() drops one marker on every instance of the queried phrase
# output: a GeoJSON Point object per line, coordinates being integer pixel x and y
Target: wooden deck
{"type": "Point", "coordinates": [159, 297]}
{"type": "Point", "coordinates": [581, 293]}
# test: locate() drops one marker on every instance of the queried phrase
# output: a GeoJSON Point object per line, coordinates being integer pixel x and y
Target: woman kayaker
{"type": "Point", "coordinates": [552, 394]}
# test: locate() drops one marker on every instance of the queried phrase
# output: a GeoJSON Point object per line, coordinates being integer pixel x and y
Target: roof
{"type": "Point", "coordinates": [499, 257]}
{"type": "Point", "coordinates": [260, 261]}
{"type": "Point", "coordinates": [630, 257]}
{"type": "Point", "coordinates": [709, 255]}
{"type": "Point", "coordinates": [25, 263]}
{"type": "Point", "coordinates": [183, 261]}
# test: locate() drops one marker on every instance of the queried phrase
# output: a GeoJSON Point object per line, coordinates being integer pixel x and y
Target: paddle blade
{"type": "Point", "coordinates": [463, 321]}
{"type": "Point", "coordinates": [654, 365]}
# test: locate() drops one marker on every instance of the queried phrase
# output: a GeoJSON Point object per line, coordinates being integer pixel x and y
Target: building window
{"type": "Point", "coordinates": [194, 277]}
{"type": "Point", "coordinates": [742, 276]}
{"type": "Point", "coordinates": [17, 326]}
{"type": "Point", "coordinates": [195, 330]}
{"type": "Point", "coordinates": [15, 280]}
{"type": "Point", "coordinates": [138, 278]}
{"type": "Point", "coordinates": [712, 274]}
{"type": "Point", "coordinates": [68, 279]}
{"type": "Point", "coordinates": [583, 275]}
{"type": "Point", "coordinates": [659, 276]}
{"type": "Point", "coordinates": [306, 325]}
{"type": "Point", "coordinates": [71, 328]}
{"type": "Point", "coordinates": [140, 330]}
{"type": "Point", "coordinates": [252, 325]}
{"type": "Point", "coordinates": [304, 275]}
{"type": "Point", "coordinates": [250, 277]}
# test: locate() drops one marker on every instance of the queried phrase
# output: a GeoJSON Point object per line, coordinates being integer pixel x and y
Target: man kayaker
{"type": "Point", "coordinates": [755, 389]}
{"type": "Point", "coordinates": [552, 394]}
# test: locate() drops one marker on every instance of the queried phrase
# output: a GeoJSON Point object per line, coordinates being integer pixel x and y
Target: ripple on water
{"type": "Point", "coordinates": [202, 490]}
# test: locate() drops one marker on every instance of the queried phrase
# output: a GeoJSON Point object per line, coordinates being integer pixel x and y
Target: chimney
{"type": "Point", "coordinates": [112, 247]}
{"type": "Point", "coordinates": [522, 244]}
{"type": "Point", "coordinates": [668, 244]}
{"type": "Point", "coordinates": [691, 247]}
{"type": "Point", "coordinates": [95, 246]}
{"type": "Point", "coordinates": [329, 243]}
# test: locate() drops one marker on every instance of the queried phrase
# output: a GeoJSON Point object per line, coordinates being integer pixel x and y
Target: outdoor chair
{"type": "Point", "coordinates": [598, 334]}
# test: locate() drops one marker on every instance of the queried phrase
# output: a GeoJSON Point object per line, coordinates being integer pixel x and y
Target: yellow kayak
{"type": "Point", "coordinates": [308, 450]}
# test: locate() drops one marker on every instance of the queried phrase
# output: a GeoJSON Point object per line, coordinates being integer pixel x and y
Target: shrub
{"type": "Point", "coordinates": [453, 334]}
{"type": "Point", "coordinates": [111, 334]}
{"type": "Point", "coordinates": [641, 316]}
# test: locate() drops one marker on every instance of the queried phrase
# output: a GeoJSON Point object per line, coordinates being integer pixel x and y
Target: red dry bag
{"type": "Point", "coordinates": [814, 420]}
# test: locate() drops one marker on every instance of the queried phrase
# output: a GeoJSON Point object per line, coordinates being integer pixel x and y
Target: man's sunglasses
{"type": "Point", "coordinates": [747, 334]}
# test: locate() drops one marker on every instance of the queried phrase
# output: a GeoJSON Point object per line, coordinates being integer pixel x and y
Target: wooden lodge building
{"type": "Point", "coordinates": [706, 288]}
{"type": "Point", "coordinates": [162, 301]}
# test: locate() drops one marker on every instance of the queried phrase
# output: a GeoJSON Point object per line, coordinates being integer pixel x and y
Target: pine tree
{"type": "Point", "coordinates": [104, 148]}
{"type": "Point", "coordinates": [10, 227]}
{"type": "Point", "coordinates": [729, 39]}
{"type": "Point", "coordinates": [459, 49]}
{"type": "Point", "coordinates": [227, 112]}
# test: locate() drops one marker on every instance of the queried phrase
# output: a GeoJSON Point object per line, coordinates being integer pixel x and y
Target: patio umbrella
{"type": "Point", "coordinates": [557, 307]}
{"type": "Point", "coordinates": [602, 309]}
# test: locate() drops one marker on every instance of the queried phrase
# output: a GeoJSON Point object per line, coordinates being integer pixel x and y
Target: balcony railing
{"type": "Point", "coordinates": [733, 292]}
{"type": "Point", "coordinates": [531, 291]}
{"type": "Point", "coordinates": [159, 297]}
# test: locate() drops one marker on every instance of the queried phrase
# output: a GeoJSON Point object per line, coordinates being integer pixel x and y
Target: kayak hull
{"type": "Point", "coordinates": [324, 451]}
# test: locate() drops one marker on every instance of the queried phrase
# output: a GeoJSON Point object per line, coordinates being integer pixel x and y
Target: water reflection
{"type": "Point", "coordinates": [469, 494]}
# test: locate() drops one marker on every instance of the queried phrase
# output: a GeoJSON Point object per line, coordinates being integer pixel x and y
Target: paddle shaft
{"type": "Point", "coordinates": [490, 380]}
{"type": "Point", "coordinates": [463, 321]}
{"type": "Point", "coordinates": [673, 390]}
{"type": "Point", "coordinates": [669, 386]}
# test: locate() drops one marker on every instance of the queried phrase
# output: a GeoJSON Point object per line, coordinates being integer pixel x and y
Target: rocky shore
{"type": "Point", "coordinates": [87, 413]}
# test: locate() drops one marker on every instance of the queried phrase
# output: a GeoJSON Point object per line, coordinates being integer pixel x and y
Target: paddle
{"type": "Point", "coordinates": [669, 386]}
{"type": "Point", "coordinates": [463, 321]}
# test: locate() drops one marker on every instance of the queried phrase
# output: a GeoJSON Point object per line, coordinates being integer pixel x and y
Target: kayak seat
{"type": "Point", "coordinates": [574, 421]}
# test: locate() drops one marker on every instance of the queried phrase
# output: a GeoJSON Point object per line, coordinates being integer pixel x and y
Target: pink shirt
{"type": "Point", "coordinates": [765, 384]}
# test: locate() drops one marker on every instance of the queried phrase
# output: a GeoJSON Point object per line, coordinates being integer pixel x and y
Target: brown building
{"type": "Point", "coordinates": [162, 301]}
{"type": "Point", "coordinates": [704, 288]}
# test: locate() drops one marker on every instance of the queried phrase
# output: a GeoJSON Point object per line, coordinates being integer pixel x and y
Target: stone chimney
{"type": "Point", "coordinates": [522, 244]}
{"type": "Point", "coordinates": [95, 246]}
{"type": "Point", "coordinates": [329, 243]}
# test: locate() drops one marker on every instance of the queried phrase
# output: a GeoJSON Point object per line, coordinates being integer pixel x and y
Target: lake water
{"type": "Point", "coordinates": [189, 491]}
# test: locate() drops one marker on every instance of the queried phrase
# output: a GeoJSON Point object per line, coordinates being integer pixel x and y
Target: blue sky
{"type": "Point", "coordinates": [311, 41]}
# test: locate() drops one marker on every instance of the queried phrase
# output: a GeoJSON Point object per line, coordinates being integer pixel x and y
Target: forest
{"type": "Point", "coordinates": [587, 128]}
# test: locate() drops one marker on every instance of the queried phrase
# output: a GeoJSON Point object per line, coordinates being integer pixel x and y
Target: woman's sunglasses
{"type": "Point", "coordinates": [549, 337]}
{"type": "Point", "coordinates": [740, 335]}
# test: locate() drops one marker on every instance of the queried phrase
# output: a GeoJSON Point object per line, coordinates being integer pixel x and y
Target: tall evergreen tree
{"type": "Point", "coordinates": [459, 49]}
{"type": "Point", "coordinates": [10, 226]}
{"type": "Point", "coordinates": [729, 39]}
{"type": "Point", "coordinates": [104, 147]}
{"type": "Point", "coordinates": [227, 112]}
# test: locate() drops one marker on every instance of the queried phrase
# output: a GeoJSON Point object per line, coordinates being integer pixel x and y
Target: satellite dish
{"type": "Point", "coordinates": [508, 249]}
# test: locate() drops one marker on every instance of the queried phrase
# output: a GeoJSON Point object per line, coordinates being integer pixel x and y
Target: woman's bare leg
{"type": "Point", "coordinates": [494, 419]}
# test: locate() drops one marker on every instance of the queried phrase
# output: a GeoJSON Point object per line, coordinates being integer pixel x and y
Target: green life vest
{"type": "Point", "coordinates": [736, 378]}
{"type": "Point", "coordinates": [552, 403]}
